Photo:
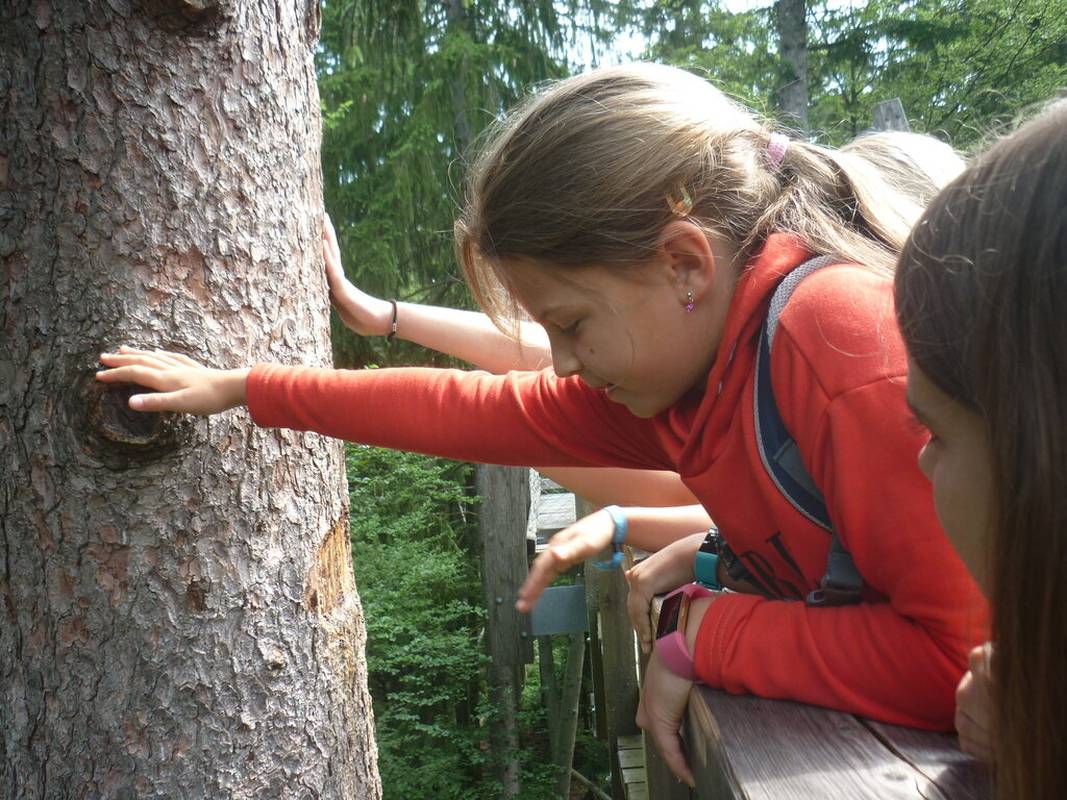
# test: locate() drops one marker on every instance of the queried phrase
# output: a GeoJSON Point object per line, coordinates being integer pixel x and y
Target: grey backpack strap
{"type": "Point", "coordinates": [842, 583]}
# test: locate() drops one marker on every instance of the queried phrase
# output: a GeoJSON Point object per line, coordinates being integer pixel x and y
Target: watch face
{"type": "Point", "coordinates": [672, 614]}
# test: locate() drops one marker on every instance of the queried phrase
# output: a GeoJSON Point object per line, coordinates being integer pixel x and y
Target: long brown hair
{"type": "Point", "coordinates": [580, 173]}
{"type": "Point", "coordinates": [981, 293]}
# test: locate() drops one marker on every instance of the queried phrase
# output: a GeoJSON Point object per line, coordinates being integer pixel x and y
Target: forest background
{"type": "Point", "coordinates": [407, 86]}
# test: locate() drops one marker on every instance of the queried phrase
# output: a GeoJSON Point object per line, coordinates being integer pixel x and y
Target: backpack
{"type": "Point", "coordinates": [842, 584]}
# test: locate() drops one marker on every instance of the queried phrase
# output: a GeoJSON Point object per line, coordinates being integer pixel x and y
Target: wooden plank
{"type": "Point", "coordinates": [637, 791]}
{"type": "Point", "coordinates": [502, 519]}
{"type": "Point", "coordinates": [758, 749]}
{"type": "Point", "coordinates": [632, 759]}
{"type": "Point", "coordinates": [554, 512]}
{"type": "Point", "coordinates": [535, 503]}
{"type": "Point", "coordinates": [549, 485]}
{"type": "Point", "coordinates": [938, 757]}
{"type": "Point", "coordinates": [568, 714]}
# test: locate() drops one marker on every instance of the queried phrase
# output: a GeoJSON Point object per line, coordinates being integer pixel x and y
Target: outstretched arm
{"type": "Point", "coordinates": [648, 528]}
{"type": "Point", "coordinates": [467, 335]}
{"type": "Point", "coordinates": [624, 487]}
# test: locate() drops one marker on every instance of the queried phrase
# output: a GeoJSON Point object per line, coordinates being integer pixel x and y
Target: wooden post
{"type": "Point", "coordinates": [549, 689]}
{"type": "Point", "coordinates": [502, 525]}
{"type": "Point", "coordinates": [568, 714]}
{"type": "Point", "coordinates": [615, 685]}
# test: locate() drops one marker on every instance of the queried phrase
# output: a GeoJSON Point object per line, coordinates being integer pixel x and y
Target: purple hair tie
{"type": "Point", "coordinates": [776, 148]}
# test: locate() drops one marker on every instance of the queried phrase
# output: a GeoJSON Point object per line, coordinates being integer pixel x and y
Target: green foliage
{"type": "Point", "coordinates": [411, 529]}
{"type": "Point", "coordinates": [960, 67]}
{"type": "Point", "coordinates": [416, 564]}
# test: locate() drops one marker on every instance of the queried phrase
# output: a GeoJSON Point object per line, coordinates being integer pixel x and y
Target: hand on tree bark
{"type": "Point", "coordinates": [363, 314]}
{"type": "Point", "coordinates": [180, 383]}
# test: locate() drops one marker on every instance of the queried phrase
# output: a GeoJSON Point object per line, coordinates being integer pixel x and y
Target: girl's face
{"type": "Point", "coordinates": [625, 331]}
{"type": "Point", "coordinates": [958, 462]}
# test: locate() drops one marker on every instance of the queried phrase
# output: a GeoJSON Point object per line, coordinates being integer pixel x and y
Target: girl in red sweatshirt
{"type": "Point", "coordinates": [645, 221]}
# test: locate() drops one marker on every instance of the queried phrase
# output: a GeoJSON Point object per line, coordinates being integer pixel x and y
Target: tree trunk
{"type": "Point", "coordinates": [792, 23]}
{"type": "Point", "coordinates": [179, 615]}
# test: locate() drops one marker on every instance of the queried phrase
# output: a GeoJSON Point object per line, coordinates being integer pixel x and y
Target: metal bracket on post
{"type": "Point", "coordinates": [560, 609]}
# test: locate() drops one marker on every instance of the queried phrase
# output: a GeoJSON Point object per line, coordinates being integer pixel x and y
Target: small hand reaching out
{"type": "Point", "coordinates": [180, 383]}
{"type": "Point", "coordinates": [584, 539]}
{"type": "Point", "coordinates": [363, 314]}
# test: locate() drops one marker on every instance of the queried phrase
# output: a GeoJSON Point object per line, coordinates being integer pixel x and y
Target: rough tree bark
{"type": "Point", "coordinates": [178, 617]}
{"type": "Point", "coordinates": [792, 23]}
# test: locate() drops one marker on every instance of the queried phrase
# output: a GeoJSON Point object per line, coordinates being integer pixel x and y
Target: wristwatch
{"type": "Point", "coordinates": [714, 550]}
{"type": "Point", "coordinates": [670, 631]}
{"type": "Point", "coordinates": [707, 563]}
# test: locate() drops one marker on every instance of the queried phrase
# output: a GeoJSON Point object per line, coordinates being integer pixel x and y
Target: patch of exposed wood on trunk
{"type": "Point", "coordinates": [330, 578]}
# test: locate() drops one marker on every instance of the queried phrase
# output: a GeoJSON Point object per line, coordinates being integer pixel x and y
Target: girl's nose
{"type": "Point", "coordinates": [564, 361]}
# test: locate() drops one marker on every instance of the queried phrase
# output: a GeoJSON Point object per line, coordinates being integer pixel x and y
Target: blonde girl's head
{"type": "Point", "coordinates": [981, 293]}
{"type": "Point", "coordinates": [916, 164]}
{"type": "Point", "coordinates": [591, 170]}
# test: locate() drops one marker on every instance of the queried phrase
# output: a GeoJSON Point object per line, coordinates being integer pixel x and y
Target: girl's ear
{"type": "Point", "coordinates": [694, 262]}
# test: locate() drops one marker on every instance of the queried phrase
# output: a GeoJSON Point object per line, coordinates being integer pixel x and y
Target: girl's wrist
{"type": "Point", "coordinates": [697, 609]}
{"type": "Point", "coordinates": [383, 316]}
{"type": "Point", "coordinates": [236, 387]}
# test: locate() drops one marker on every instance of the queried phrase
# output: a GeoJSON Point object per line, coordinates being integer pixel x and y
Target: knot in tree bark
{"type": "Point", "coordinates": [121, 437]}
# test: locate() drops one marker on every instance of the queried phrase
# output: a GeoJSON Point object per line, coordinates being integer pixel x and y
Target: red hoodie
{"type": "Point", "coordinates": [838, 370]}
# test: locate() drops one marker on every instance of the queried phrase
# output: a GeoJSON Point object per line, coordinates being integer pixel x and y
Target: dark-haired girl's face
{"type": "Point", "coordinates": [957, 460]}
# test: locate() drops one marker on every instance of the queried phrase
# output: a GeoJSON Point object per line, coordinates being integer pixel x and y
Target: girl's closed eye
{"type": "Point", "coordinates": [571, 329]}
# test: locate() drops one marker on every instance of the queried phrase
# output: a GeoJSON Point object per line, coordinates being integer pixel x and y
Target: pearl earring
{"type": "Point", "coordinates": [689, 302]}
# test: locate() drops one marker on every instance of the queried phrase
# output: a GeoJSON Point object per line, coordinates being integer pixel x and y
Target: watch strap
{"type": "Point", "coordinates": [706, 567]}
{"type": "Point", "coordinates": [672, 646]}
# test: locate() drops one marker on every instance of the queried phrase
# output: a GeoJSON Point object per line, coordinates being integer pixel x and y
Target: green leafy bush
{"type": "Point", "coordinates": [414, 549]}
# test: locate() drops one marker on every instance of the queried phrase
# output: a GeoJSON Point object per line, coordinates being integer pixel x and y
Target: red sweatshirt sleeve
{"type": "Point", "coordinates": [522, 418]}
{"type": "Point", "coordinates": [897, 656]}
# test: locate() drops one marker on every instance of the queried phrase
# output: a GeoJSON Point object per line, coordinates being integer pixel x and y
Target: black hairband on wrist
{"type": "Point", "coordinates": [392, 325]}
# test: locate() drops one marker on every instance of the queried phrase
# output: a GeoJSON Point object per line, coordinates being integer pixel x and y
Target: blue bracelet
{"type": "Point", "coordinates": [618, 517]}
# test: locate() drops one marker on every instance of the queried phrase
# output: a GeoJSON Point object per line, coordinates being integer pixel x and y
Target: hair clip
{"type": "Point", "coordinates": [682, 207]}
{"type": "Point", "coordinates": [776, 147]}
